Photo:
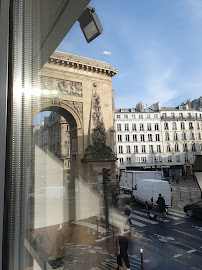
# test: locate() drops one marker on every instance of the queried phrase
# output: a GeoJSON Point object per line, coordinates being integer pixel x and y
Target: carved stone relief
{"type": "Point", "coordinates": [98, 150]}
{"type": "Point", "coordinates": [64, 87]}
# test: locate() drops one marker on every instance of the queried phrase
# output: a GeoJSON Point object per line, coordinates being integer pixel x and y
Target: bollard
{"type": "Point", "coordinates": [141, 257]}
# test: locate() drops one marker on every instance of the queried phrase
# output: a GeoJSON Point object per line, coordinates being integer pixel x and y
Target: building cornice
{"type": "Point", "coordinates": [82, 63]}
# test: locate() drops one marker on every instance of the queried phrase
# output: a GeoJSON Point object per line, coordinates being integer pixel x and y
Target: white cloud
{"type": "Point", "coordinates": [158, 88]}
{"type": "Point", "coordinates": [107, 53]}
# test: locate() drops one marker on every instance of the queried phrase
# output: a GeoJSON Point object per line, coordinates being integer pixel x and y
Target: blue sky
{"type": "Point", "coordinates": [156, 46]}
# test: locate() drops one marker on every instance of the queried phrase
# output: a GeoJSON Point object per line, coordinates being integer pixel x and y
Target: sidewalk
{"type": "Point", "coordinates": [187, 191]}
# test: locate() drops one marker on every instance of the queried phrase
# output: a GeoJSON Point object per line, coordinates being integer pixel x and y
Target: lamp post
{"type": "Point", "coordinates": [141, 258]}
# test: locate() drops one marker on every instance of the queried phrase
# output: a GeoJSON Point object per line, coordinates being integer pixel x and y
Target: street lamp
{"type": "Point", "coordinates": [90, 24]}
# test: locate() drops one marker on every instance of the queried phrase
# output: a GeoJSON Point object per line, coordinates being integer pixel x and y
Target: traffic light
{"type": "Point", "coordinates": [106, 175]}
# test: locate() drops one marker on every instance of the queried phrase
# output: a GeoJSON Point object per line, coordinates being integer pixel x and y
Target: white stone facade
{"type": "Point", "coordinates": [166, 138]}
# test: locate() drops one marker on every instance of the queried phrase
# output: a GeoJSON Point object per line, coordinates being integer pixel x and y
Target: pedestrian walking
{"type": "Point", "coordinates": [119, 178]}
{"type": "Point", "coordinates": [127, 211]}
{"type": "Point", "coordinates": [162, 206]}
{"type": "Point", "coordinates": [121, 252]}
{"type": "Point", "coordinates": [114, 196]}
{"type": "Point", "coordinates": [177, 180]}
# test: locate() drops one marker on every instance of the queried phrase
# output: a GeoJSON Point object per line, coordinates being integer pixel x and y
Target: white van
{"type": "Point", "coordinates": [130, 178]}
{"type": "Point", "coordinates": [147, 191]}
{"type": "Point", "coordinates": [50, 192]}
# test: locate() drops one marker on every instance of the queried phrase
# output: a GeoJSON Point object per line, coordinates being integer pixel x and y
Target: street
{"type": "Point", "coordinates": [173, 243]}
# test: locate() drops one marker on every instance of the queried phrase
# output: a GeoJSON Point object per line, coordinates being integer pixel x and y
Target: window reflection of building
{"type": "Point", "coordinates": [53, 134]}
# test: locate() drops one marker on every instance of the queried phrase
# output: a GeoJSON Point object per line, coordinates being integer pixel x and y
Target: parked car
{"type": "Point", "coordinates": [49, 192]}
{"type": "Point", "coordinates": [194, 209]}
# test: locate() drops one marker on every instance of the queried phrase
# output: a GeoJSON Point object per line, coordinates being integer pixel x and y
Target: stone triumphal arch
{"type": "Point", "coordinates": [79, 89]}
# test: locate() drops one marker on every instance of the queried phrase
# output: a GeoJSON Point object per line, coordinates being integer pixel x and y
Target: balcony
{"type": "Point", "coordinates": [169, 118]}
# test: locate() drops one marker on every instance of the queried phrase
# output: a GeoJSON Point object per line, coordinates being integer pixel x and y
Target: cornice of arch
{"type": "Point", "coordinates": [82, 63]}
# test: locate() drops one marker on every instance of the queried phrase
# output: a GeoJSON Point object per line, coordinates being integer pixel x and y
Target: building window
{"type": "Point", "coordinates": [142, 137]}
{"type": "Point", "coordinates": [198, 126]}
{"type": "Point", "coordinates": [185, 148]}
{"type": "Point", "coordinates": [120, 149]}
{"type": "Point", "coordinates": [151, 149]}
{"type": "Point", "coordinates": [192, 136]}
{"type": "Point", "coordinates": [158, 137]}
{"type": "Point", "coordinates": [133, 127]}
{"type": "Point", "coordinates": [158, 148]}
{"type": "Point", "coordinates": [128, 149]}
{"type": "Point", "coordinates": [137, 159]}
{"type": "Point", "coordinates": [143, 149]}
{"type": "Point", "coordinates": [150, 137]}
{"type": "Point", "coordinates": [199, 136]}
{"type": "Point", "coordinates": [182, 125]}
{"type": "Point", "coordinates": [125, 116]}
{"type": "Point", "coordinates": [118, 127]}
{"type": "Point", "coordinates": [141, 127]}
{"type": "Point", "coordinates": [178, 158]}
{"type": "Point", "coordinates": [191, 125]}
{"type": "Point", "coordinates": [127, 137]}
{"type": "Point", "coordinates": [135, 149]}
{"type": "Point", "coordinates": [169, 158]}
{"type": "Point", "coordinates": [181, 115]}
{"type": "Point", "coordinates": [175, 136]}
{"type": "Point", "coordinates": [172, 116]}
{"type": "Point", "coordinates": [128, 160]}
{"type": "Point", "coordinates": [118, 116]}
{"type": "Point", "coordinates": [143, 159]}
{"type": "Point", "coordinates": [193, 148]}
{"type": "Point", "coordinates": [168, 148]}
{"type": "Point", "coordinates": [156, 116]}
{"type": "Point", "coordinates": [164, 116]}
{"type": "Point", "coordinates": [184, 136]}
{"type": "Point", "coordinates": [119, 138]}
{"type": "Point", "coordinates": [135, 137]}
{"type": "Point", "coordinates": [186, 158]}
{"type": "Point", "coordinates": [201, 147]}
{"type": "Point", "coordinates": [167, 136]}
{"type": "Point", "coordinates": [126, 127]}
{"type": "Point", "coordinates": [133, 116]}
{"type": "Point", "coordinates": [166, 126]}
{"type": "Point", "coordinates": [156, 126]}
{"type": "Point", "coordinates": [189, 115]}
{"type": "Point", "coordinates": [141, 116]}
{"type": "Point", "coordinates": [174, 125]}
{"type": "Point", "coordinates": [121, 161]}
{"type": "Point", "coordinates": [148, 116]}
{"type": "Point", "coordinates": [176, 147]}
{"type": "Point", "coordinates": [148, 126]}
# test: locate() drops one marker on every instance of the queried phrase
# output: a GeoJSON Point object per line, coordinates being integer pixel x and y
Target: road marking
{"type": "Point", "coordinates": [191, 251]}
{"type": "Point", "coordinates": [146, 261]}
{"type": "Point", "coordinates": [144, 219]}
{"type": "Point", "coordinates": [178, 255]}
{"type": "Point", "coordinates": [198, 228]}
{"type": "Point", "coordinates": [176, 214]}
{"type": "Point", "coordinates": [133, 222]}
{"type": "Point", "coordinates": [190, 235]}
{"type": "Point", "coordinates": [171, 217]}
{"type": "Point", "coordinates": [174, 210]}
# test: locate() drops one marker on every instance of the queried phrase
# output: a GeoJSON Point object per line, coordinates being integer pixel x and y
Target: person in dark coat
{"type": "Point", "coordinates": [161, 205]}
{"type": "Point", "coordinates": [122, 257]}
